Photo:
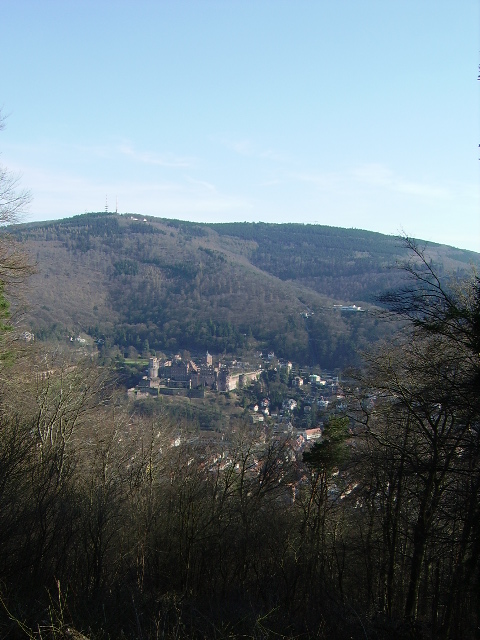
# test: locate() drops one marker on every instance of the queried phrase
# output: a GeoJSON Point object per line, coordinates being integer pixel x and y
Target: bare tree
{"type": "Point", "coordinates": [13, 199]}
{"type": "Point", "coordinates": [422, 447]}
{"type": "Point", "coordinates": [15, 265]}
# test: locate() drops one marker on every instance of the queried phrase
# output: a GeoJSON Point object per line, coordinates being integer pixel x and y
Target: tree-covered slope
{"type": "Point", "coordinates": [129, 281]}
{"type": "Point", "coordinates": [347, 264]}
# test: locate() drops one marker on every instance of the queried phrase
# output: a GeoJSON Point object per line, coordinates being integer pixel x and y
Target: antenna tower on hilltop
{"type": "Point", "coordinates": [106, 204]}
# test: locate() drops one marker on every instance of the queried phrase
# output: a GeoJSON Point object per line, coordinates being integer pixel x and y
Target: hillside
{"type": "Point", "coordinates": [167, 285]}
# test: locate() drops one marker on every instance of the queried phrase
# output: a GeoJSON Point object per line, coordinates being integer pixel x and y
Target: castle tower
{"type": "Point", "coordinates": [153, 368]}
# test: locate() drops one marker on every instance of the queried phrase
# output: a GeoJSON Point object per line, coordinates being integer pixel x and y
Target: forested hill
{"type": "Point", "coordinates": [345, 264]}
{"type": "Point", "coordinates": [165, 285]}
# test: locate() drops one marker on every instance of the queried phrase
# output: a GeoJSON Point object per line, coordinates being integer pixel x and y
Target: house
{"type": "Point", "coordinates": [289, 404]}
{"type": "Point", "coordinates": [312, 434]}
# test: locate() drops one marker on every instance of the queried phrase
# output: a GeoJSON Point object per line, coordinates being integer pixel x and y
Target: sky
{"type": "Point", "coordinates": [350, 113]}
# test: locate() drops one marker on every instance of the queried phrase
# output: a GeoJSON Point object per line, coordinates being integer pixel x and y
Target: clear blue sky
{"type": "Point", "coordinates": [351, 113]}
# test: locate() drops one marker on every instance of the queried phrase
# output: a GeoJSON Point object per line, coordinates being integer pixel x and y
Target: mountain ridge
{"type": "Point", "coordinates": [132, 281]}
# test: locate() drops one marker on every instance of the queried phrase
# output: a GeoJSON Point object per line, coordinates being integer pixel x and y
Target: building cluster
{"type": "Point", "coordinates": [301, 416]}
{"type": "Point", "coordinates": [179, 375]}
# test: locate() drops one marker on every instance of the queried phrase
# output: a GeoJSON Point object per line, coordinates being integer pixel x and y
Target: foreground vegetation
{"type": "Point", "coordinates": [122, 523]}
{"type": "Point", "coordinates": [128, 525]}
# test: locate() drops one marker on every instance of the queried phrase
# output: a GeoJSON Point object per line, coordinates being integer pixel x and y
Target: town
{"type": "Point", "coordinates": [286, 401]}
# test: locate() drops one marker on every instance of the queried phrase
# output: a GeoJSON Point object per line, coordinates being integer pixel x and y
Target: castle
{"type": "Point", "coordinates": [177, 374]}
